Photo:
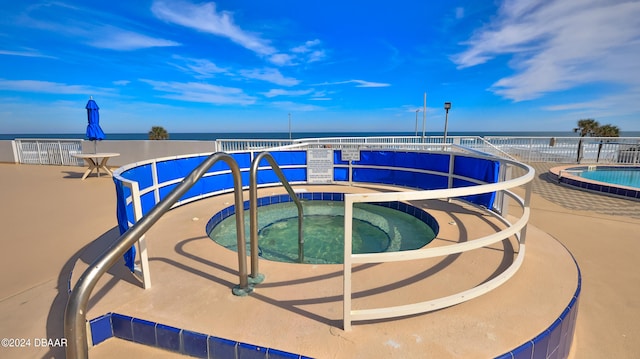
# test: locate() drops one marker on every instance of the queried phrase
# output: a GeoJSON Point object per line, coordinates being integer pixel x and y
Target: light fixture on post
{"type": "Point", "coordinates": [447, 106]}
{"type": "Point", "coordinates": [418, 110]}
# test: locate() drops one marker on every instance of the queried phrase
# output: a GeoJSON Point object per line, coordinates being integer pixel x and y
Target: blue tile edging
{"type": "Point", "coordinates": [555, 341]}
{"type": "Point", "coordinates": [114, 325]}
{"type": "Point", "coordinates": [601, 187]}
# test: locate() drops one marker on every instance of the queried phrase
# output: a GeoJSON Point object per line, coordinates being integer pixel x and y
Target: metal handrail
{"type": "Point", "coordinates": [75, 327]}
{"type": "Point", "coordinates": [253, 211]}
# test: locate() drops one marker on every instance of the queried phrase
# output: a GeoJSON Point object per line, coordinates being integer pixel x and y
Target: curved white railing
{"type": "Point", "coordinates": [518, 229]}
{"type": "Point", "coordinates": [501, 188]}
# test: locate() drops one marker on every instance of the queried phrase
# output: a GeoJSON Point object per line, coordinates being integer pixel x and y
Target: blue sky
{"type": "Point", "coordinates": [244, 66]}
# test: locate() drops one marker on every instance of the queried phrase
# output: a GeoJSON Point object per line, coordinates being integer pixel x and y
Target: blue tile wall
{"type": "Point", "coordinates": [222, 348]}
{"type": "Point", "coordinates": [194, 344]}
{"type": "Point", "coordinates": [101, 329]}
{"type": "Point", "coordinates": [178, 340]}
{"type": "Point", "coordinates": [168, 337]}
{"type": "Point", "coordinates": [555, 341]}
{"type": "Point", "coordinates": [505, 356]}
{"type": "Point", "coordinates": [144, 332]}
{"type": "Point", "coordinates": [122, 326]}
{"type": "Point", "coordinates": [248, 351]}
{"type": "Point", "coordinates": [523, 352]}
{"type": "Point", "coordinates": [279, 354]}
{"type": "Point", "coordinates": [540, 344]}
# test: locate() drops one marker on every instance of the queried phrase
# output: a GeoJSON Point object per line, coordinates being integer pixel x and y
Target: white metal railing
{"type": "Point", "coordinates": [607, 150]}
{"type": "Point", "coordinates": [233, 145]}
{"type": "Point", "coordinates": [623, 150]}
{"type": "Point", "coordinates": [517, 229]}
{"type": "Point", "coordinates": [48, 151]}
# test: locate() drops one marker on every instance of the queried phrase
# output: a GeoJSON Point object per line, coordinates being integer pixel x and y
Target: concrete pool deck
{"type": "Point", "coordinates": [52, 221]}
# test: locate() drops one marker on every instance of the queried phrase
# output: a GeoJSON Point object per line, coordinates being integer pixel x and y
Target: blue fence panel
{"type": "Point", "coordinates": [140, 174]}
{"type": "Point", "coordinates": [243, 160]}
{"type": "Point", "coordinates": [480, 169]}
{"type": "Point", "coordinates": [341, 174]}
{"type": "Point", "coordinates": [287, 158]}
{"type": "Point", "coordinates": [291, 174]}
{"type": "Point", "coordinates": [147, 201]}
{"type": "Point", "coordinates": [178, 168]}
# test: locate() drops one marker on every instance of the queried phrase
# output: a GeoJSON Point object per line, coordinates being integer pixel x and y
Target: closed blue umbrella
{"type": "Point", "coordinates": [94, 132]}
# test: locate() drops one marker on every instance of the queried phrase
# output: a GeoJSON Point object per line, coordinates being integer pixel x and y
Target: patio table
{"type": "Point", "coordinates": [96, 161]}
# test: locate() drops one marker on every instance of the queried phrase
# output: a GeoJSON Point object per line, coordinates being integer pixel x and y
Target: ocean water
{"type": "Point", "coordinates": [296, 135]}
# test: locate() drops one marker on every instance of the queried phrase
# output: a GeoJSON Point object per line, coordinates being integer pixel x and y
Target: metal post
{"type": "Point", "coordinates": [418, 110]}
{"type": "Point", "coordinates": [447, 106]}
{"type": "Point", "coordinates": [424, 115]}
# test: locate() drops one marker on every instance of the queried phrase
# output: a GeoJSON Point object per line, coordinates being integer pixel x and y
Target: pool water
{"type": "Point", "coordinates": [622, 176]}
{"type": "Point", "coordinates": [375, 229]}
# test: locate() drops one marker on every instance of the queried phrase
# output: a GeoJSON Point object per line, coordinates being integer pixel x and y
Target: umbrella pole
{"type": "Point", "coordinates": [95, 146]}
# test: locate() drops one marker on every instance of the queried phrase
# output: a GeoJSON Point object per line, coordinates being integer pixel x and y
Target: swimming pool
{"type": "Point", "coordinates": [619, 181]}
{"type": "Point", "coordinates": [378, 228]}
{"type": "Point", "coordinates": [625, 176]}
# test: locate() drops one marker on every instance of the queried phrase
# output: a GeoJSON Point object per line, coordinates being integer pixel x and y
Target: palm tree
{"type": "Point", "coordinates": [586, 127]}
{"type": "Point", "coordinates": [591, 127]}
{"type": "Point", "coordinates": [158, 133]}
{"type": "Point", "coordinates": [606, 131]}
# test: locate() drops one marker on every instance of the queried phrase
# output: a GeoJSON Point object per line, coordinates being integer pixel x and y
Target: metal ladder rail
{"type": "Point", "coordinates": [75, 322]}
{"type": "Point", "coordinates": [253, 211]}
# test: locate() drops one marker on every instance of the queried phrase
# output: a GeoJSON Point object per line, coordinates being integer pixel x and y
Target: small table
{"type": "Point", "coordinates": [96, 161]}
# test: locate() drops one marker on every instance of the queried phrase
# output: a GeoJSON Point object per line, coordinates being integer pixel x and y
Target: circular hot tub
{"type": "Point", "coordinates": [383, 227]}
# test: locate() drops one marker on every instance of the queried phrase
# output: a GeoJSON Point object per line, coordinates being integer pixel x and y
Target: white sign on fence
{"type": "Point", "coordinates": [319, 165]}
{"type": "Point", "coordinates": [350, 154]}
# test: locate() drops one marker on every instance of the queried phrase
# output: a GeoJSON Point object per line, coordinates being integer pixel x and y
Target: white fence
{"type": "Point", "coordinates": [623, 150]}
{"type": "Point", "coordinates": [49, 151]}
{"type": "Point", "coordinates": [606, 150]}
{"type": "Point", "coordinates": [618, 150]}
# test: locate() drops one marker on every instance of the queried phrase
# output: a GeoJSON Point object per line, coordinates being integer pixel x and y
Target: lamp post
{"type": "Point", "coordinates": [447, 106]}
{"type": "Point", "coordinates": [418, 110]}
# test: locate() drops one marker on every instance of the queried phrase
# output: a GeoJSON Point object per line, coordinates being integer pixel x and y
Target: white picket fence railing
{"type": "Point", "coordinates": [589, 150]}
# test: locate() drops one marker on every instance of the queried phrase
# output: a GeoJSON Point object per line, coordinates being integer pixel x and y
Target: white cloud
{"type": "Point", "coordinates": [205, 18]}
{"type": "Point", "coordinates": [91, 27]}
{"type": "Point", "coordinates": [37, 86]}
{"type": "Point", "coordinates": [281, 59]}
{"type": "Point", "coordinates": [609, 105]}
{"type": "Point", "coordinates": [270, 75]}
{"type": "Point", "coordinates": [121, 82]}
{"type": "Point", "coordinates": [281, 92]}
{"type": "Point", "coordinates": [359, 83]}
{"type": "Point", "coordinates": [201, 92]}
{"type": "Point", "coordinates": [293, 106]}
{"type": "Point", "coordinates": [557, 45]}
{"type": "Point", "coordinates": [202, 68]}
{"type": "Point", "coordinates": [309, 51]}
{"type": "Point", "coordinates": [123, 40]}
{"type": "Point", "coordinates": [27, 53]}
